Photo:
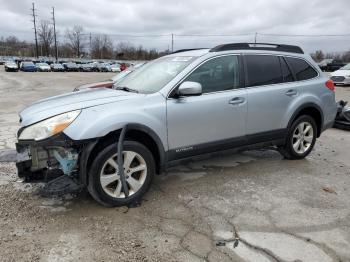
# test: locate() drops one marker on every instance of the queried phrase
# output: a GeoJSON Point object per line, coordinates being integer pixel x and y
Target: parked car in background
{"type": "Point", "coordinates": [56, 67]}
{"type": "Point", "coordinates": [28, 67]}
{"type": "Point", "coordinates": [43, 67]}
{"type": "Point", "coordinates": [104, 67]}
{"type": "Point", "coordinates": [86, 67]}
{"type": "Point", "coordinates": [123, 66]}
{"type": "Point", "coordinates": [341, 76]}
{"type": "Point", "coordinates": [71, 67]}
{"type": "Point", "coordinates": [110, 82]}
{"type": "Point", "coordinates": [94, 66]}
{"type": "Point", "coordinates": [331, 65]}
{"type": "Point", "coordinates": [324, 63]}
{"type": "Point", "coordinates": [11, 66]}
{"type": "Point", "coordinates": [2, 60]}
{"type": "Point", "coordinates": [115, 67]}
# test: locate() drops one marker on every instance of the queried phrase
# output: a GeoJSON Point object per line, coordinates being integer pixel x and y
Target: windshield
{"type": "Point", "coordinates": [120, 76]}
{"type": "Point", "coordinates": [347, 67]}
{"type": "Point", "coordinates": [153, 76]}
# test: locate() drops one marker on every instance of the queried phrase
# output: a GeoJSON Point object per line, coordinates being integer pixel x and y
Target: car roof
{"type": "Point", "coordinates": [246, 48]}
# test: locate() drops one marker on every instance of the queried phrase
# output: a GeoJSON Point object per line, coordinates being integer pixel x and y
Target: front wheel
{"type": "Point", "coordinates": [105, 184]}
{"type": "Point", "coordinates": [301, 138]}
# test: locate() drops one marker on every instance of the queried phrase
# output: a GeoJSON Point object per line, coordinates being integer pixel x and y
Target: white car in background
{"type": "Point", "coordinates": [115, 67]}
{"type": "Point", "coordinates": [43, 67]}
{"type": "Point", "coordinates": [341, 76]}
{"type": "Point", "coordinates": [11, 66]}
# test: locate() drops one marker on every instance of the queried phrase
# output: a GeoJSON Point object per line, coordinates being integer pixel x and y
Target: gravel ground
{"type": "Point", "coordinates": [280, 210]}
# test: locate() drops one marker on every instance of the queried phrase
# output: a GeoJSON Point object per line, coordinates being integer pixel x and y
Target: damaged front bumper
{"type": "Point", "coordinates": [53, 157]}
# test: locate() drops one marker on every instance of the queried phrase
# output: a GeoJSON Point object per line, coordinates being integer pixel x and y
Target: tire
{"type": "Point", "coordinates": [111, 193]}
{"type": "Point", "coordinates": [297, 145]}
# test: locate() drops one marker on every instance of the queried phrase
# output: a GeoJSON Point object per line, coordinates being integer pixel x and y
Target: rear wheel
{"type": "Point", "coordinates": [105, 184]}
{"type": "Point", "coordinates": [301, 138]}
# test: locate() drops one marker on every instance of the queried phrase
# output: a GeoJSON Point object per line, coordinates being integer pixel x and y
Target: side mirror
{"type": "Point", "coordinates": [189, 88]}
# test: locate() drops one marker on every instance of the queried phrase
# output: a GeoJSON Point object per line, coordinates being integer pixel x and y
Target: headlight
{"type": "Point", "coordinates": [49, 127]}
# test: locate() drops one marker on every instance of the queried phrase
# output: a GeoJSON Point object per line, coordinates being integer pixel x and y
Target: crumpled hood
{"type": "Point", "coordinates": [56, 105]}
{"type": "Point", "coordinates": [341, 73]}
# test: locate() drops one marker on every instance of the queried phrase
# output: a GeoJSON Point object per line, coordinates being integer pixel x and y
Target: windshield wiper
{"type": "Point", "coordinates": [127, 89]}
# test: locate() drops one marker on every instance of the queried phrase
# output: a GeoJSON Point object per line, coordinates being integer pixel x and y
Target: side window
{"type": "Point", "coordinates": [263, 70]}
{"type": "Point", "coordinates": [301, 68]}
{"type": "Point", "coordinates": [218, 74]}
{"type": "Point", "coordinates": [286, 73]}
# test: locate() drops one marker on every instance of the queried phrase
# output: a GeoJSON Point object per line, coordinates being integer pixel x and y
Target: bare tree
{"type": "Point", "coordinates": [101, 47]}
{"type": "Point", "coordinates": [75, 39]}
{"type": "Point", "coordinates": [346, 56]}
{"type": "Point", "coordinates": [46, 35]}
{"type": "Point", "coordinates": [318, 56]}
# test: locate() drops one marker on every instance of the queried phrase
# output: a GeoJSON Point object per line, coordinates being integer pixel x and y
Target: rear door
{"type": "Point", "coordinates": [270, 90]}
{"type": "Point", "coordinates": [209, 122]}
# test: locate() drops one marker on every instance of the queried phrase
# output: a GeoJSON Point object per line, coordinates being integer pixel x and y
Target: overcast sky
{"type": "Point", "coordinates": [232, 17]}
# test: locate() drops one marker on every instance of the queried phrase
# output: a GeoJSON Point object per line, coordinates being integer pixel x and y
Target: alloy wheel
{"type": "Point", "coordinates": [135, 171]}
{"type": "Point", "coordinates": [303, 136]}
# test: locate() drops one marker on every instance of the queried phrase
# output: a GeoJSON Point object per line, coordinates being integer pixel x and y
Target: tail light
{"type": "Point", "coordinates": [330, 85]}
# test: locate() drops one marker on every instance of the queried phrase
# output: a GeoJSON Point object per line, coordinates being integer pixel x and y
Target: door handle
{"type": "Point", "coordinates": [291, 92]}
{"type": "Point", "coordinates": [236, 101]}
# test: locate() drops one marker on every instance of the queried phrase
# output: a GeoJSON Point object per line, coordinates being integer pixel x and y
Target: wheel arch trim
{"type": "Point", "coordinates": [83, 164]}
{"type": "Point", "coordinates": [305, 106]}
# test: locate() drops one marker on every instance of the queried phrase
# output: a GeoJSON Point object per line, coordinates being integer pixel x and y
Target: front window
{"type": "Point", "coordinates": [153, 76]}
{"type": "Point", "coordinates": [218, 74]}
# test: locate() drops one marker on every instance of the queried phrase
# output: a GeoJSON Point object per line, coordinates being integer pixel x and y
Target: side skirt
{"type": "Point", "coordinates": [227, 146]}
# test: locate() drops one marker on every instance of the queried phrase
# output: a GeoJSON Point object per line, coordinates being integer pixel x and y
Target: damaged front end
{"type": "Point", "coordinates": [57, 161]}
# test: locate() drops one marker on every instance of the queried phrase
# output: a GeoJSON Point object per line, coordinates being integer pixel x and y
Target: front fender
{"type": "Point", "coordinates": [98, 121]}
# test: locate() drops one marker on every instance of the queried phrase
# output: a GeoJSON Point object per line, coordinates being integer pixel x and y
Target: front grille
{"type": "Point", "coordinates": [338, 78]}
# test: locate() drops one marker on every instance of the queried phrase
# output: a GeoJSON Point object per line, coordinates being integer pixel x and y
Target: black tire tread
{"type": "Point", "coordinates": [287, 150]}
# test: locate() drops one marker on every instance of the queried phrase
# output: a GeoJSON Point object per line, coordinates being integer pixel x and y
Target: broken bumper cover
{"type": "Point", "coordinates": [52, 157]}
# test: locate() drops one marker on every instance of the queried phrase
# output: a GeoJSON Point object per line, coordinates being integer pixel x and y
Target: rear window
{"type": "Point", "coordinates": [301, 68]}
{"type": "Point", "coordinates": [287, 74]}
{"type": "Point", "coordinates": [263, 70]}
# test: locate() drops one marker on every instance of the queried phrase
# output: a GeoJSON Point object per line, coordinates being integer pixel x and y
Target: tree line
{"type": "Point", "coordinates": [76, 44]}
{"type": "Point", "coordinates": [319, 55]}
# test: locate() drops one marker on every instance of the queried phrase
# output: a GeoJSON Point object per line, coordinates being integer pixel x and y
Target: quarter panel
{"type": "Point", "coordinates": [313, 92]}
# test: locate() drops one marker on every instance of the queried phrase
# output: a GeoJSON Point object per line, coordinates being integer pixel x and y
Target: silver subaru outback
{"type": "Point", "coordinates": [175, 108]}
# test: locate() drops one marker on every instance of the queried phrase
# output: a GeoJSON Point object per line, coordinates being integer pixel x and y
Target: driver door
{"type": "Point", "coordinates": [213, 121]}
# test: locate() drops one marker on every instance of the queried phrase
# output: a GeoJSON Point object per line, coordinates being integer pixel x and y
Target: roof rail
{"type": "Point", "coordinates": [189, 49]}
{"type": "Point", "coordinates": [258, 46]}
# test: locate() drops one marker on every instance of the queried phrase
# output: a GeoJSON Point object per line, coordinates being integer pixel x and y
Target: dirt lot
{"type": "Point", "coordinates": [281, 210]}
